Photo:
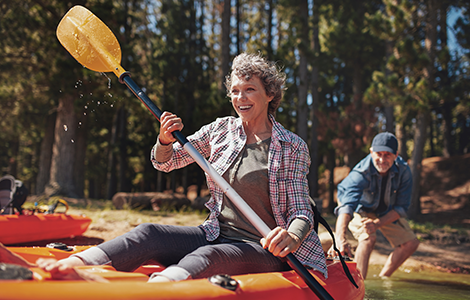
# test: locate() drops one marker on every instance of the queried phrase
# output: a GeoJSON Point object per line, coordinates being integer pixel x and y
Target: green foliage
{"type": "Point", "coordinates": [173, 50]}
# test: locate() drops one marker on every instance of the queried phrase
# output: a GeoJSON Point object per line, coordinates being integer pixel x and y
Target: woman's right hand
{"type": "Point", "coordinates": [168, 123]}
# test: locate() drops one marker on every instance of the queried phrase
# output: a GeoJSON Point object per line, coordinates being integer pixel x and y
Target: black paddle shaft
{"type": "Point", "coordinates": [312, 283]}
{"type": "Point", "coordinates": [127, 80]}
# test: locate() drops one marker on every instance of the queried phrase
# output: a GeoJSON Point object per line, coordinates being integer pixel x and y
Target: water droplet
{"type": "Point", "coordinates": [109, 79]}
{"type": "Point", "coordinates": [66, 128]}
{"type": "Point", "coordinates": [72, 141]}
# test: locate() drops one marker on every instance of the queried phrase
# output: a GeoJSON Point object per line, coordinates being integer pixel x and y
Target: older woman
{"type": "Point", "coordinates": [264, 163]}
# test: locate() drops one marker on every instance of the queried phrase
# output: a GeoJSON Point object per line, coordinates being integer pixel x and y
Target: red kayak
{"type": "Point", "coordinates": [133, 285]}
{"type": "Point", "coordinates": [16, 229]}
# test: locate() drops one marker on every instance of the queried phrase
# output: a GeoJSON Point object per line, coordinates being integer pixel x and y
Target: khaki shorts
{"type": "Point", "coordinates": [396, 233]}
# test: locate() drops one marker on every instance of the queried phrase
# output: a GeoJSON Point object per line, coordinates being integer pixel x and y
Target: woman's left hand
{"type": "Point", "coordinates": [280, 242]}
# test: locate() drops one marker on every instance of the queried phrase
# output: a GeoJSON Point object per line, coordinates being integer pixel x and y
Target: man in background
{"type": "Point", "coordinates": [375, 196]}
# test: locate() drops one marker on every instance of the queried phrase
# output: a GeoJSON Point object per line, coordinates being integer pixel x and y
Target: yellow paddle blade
{"type": "Point", "coordinates": [90, 41]}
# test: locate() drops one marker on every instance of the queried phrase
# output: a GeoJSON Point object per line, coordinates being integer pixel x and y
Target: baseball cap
{"type": "Point", "coordinates": [385, 141]}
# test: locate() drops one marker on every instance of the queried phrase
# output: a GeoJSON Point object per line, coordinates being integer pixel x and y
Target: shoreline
{"type": "Point", "coordinates": [430, 255]}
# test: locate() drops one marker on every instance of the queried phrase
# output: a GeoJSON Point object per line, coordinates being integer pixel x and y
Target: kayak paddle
{"type": "Point", "coordinates": [94, 46]}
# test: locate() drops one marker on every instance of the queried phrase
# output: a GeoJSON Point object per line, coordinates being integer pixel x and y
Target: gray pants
{"type": "Point", "coordinates": [185, 252]}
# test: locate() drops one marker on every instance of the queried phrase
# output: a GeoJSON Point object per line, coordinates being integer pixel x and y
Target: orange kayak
{"type": "Point", "coordinates": [133, 285]}
{"type": "Point", "coordinates": [15, 229]}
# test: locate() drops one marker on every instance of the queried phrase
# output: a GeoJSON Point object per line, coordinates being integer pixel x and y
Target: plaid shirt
{"type": "Point", "coordinates": [288, 164]}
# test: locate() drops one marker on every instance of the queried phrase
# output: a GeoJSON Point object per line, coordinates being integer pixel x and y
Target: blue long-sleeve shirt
{"type": "Point", "coordinates": [360, 190]}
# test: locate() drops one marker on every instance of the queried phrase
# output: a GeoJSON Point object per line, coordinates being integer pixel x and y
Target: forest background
{"type": "Point", "coordinates": [354, 68]}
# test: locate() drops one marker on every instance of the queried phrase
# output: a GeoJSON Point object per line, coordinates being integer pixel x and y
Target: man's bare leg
{"type": "Point", "coordinates": [362, 256]}
{"type": "Point", "coordinates": [398, 257]}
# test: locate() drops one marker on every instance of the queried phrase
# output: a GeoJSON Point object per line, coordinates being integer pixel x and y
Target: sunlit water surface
{"type": "Point", "coordinates": [416, 285]}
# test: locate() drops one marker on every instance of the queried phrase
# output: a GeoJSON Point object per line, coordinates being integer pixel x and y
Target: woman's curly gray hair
{"type": "Point", "coordinates": [249, 65]}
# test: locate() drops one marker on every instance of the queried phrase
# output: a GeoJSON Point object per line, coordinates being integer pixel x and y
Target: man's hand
{"type": "Point", "coordinates": [370, 225]}
{"type": "Point", "coordinates": [343, 246]}
{"type": "Point", "coordinates": [340, 234]}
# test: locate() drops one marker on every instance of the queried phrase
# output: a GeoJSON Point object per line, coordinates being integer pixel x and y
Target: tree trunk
{"type": "Point", "coordinates": [80, 156]}
{"type": "Point", "coordinates": [111, 181]}
{"type": "Point", "coordinates": [431, 137]}
{"type": "Point", "coordinates": [225, 47]}
{"type": "Point", "coordinates": [184, 180]}
{"type": "Point", "coordinates": [402, 138]}
{"type": "Point", "coordinates": [269, 37]}
{"type": "Point", "coordinates": [13, 161]}
{"type": "Point", "coordinates": [447, 150]}
{"type": "Point", "coordinates": [422, 119]}
{"type": "Point", "coordinates": [313, 174]}
{"type": "Point", "coordinates": [238, 26]}
{"type": "Point", "coordinates": [159, 181]}
{"type": "Point", "coordinates": [63, 151]}
{"type": "Point", "coordinates": [45, 156]}
{"type": "Point", "coordinates": [420, 136]}
{"type": "Point", "coordinates": [356, 154]}
{"type": "Point", "coordinates": [124, 182]}
{"type": "Point", "coordinates": [173, 180]}
{"type": "Point", "coordinates": [302, 109]}
{"type": "Point", "coordinates": [357, 85]}
{"type": "Point", "coordinates": [331, 180]}
{"type": "Point", "coordinates": [446, 108]}
{"type": "Point", "coordinates": [390, 120]}
{"type": "Point", "coordinates": [388, 107]}
{"type": "Point", "coordinates": [92, 192]}
{"type": "Point", "coordinates": [464, 135]}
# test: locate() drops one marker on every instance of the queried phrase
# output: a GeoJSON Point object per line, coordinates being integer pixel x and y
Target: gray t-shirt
{"type": "Point", "coordinates": [248, 175]}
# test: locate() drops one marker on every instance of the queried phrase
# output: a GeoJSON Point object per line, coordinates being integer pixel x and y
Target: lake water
{"type": "Point", "coordinates": [417, 285]}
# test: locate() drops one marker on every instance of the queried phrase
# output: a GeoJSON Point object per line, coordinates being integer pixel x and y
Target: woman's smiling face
{"type": "Point", "coordinates": [249, 99]}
